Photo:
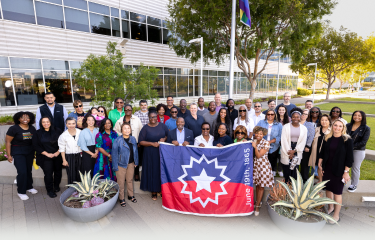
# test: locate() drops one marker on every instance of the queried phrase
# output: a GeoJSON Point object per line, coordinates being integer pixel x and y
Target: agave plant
{"type": "Point", "coordinates": [85, 188]}
{"type": "Point", "coordinates": [304, 199]}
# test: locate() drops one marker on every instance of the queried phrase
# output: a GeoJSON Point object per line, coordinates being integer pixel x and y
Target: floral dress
{"type": "Point", "coordinates": [262, 173]}
{"type": "Point", "coordinates": [103, 166]}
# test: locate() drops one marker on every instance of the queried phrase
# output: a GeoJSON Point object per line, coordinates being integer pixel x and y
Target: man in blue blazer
{"type": "Point", "coordinates": [181, 135]}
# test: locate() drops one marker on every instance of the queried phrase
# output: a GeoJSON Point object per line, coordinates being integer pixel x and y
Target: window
{"type": "Point", "coordinates": [100, 24]}
{"type": "Point", "coordinates": [212, 85]}
{"type": "Point", "coordinates": [205, 85]}
{"type": "Point", "coordinates": [154, 34]}
{"type": "Point", "coordinates": [80, 4]}
{"type": "Point", "coordinates": [154, 21]}
{"type": "Point", "coordinates": [158, 86]}
{"type": "Point", "coordinates": [49, 15]}
{"type": "Point", "coordinates": [182, 86]}
{"type": "Point", "coordinates": [116, 27]}
{"type": "Point", "coordinates": [137, 17]}
{"type": "Point", "coordinates": [21, 10]}
{"type": "Point", "coordinates": [98, 8]}
{"type": "Point", "coordinates": [76, 20]}
{"type": "Point", "coordinates": [138, 31]}
{"type": "Point", "coordinates": [80, 93]}
{"type": "Point", "coordinates": [55, 65]}
{"type": "Point", "coordinates": [191, 89]}
{"type": "Point", "coordinates": [29, 86]}
{"type": "Point", "coordinates": [53, 1]}
{"type": "Point", "coordinates": [166, 35]}
{"type": "Point", "coordinates": [115, 12]}
{"type": "Point", "coordinates": [169, 70]}
{"type": "Point", "coordinates": [4, 62]}
{"type": "Point", "coordinates": [243, 85]}
{"type": "Point", "coordinates": [170, 85]}
{"type": "Point", "coordinates": [221, 85]}
{"type": "Point", "coordinates": [124, 14]}
{"type": "Point", "coordinates": [125, 29]}
{"type": "Point", "coordinates": [6, 88]}
{"type": "Point", "coordinates": [58, 82]}
{"type": "Point", "coordinates": [25, 63]}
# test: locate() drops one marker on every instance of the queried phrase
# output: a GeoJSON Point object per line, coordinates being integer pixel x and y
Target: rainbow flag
{"type": "Point", "coordinates": [245, 12]}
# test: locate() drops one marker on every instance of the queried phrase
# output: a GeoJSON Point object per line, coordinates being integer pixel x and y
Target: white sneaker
{"type": "Point", "coordinates": [15, 181]}
{"type": "Point", "coordinates": [274, 173]}
{"type": "Point", "coordinates": [23, 196]}
{"type": "Point", "coordinates": [281, 174]}
{"type": "Point", "coordinates": [33, 191]}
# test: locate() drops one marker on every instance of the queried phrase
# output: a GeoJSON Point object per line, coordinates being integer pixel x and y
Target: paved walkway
{"type": "Point", "coordinates": [41, 216]}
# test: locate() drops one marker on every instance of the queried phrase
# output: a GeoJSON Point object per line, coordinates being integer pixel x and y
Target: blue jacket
{"type": "Point", "coordinates": [121, 152]}
{"type": "Point", "coordinates": [189, 136]}
{"type": "Point", "coordinates": [275, 133]}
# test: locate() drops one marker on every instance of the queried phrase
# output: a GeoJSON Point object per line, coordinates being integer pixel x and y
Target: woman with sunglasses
{"type": "Point", "coordinates": [244, 120]}
{"type": "Point", "coordinates": [86, 142]}
{"type": "Point", "coordinates": [223, 117]}
{"type": "Point", "coordinates": [314, 116]}
{"type": "Point", "coordinates": [240, 134]}
{"type": "Point", "coordinates": [305, 169]}
{"type": "Point", "coordinates": [273, 136]}
{"type": "Point", "coordinates": [205, 139]}
{"type": "Point", "coordinates": [221, 137]}
{"type": "Point", "coordinates": [323, 129]}
{"type": "Point", "coordinates": [335, 114]}
{"type": "Point", "coordinates": [161, 109]}
{"type": "Point", "coordinates": [134, 121]}
{"type": "Point", "coordinates": [102, 114]}
{"type": "Point", "coordinates": [20, 151]}
{"type": "Point", "coordinates": [282, 115]}
{"type": "Point", "coordinates": [78, 114]}
{"type": "Point", "coordinates": [262, 172]}
{"type": "Point", "coordinates": [149, 137]}
{"type": "Point", "coordinates": [360, 133]}
{"type": "Point", "coordinates": [118, 111]}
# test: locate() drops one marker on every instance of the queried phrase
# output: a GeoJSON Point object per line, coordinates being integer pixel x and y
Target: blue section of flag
{"type": "Point", "coordinates": [245, 12]}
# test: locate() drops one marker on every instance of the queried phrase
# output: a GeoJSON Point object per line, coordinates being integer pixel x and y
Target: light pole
{"type": "Point", "coordinates": [200, 40]}
{"type": "Point", "coordinates": [316, 66]}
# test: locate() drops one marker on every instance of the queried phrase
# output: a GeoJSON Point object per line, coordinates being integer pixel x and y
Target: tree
{"type": "Point", "coordinates": [107, 75]}
{"type": "Point", "coordinates": [308, 79]}
{"type": "Point", "coordinates": [336, 52]}
{"type": "Point", "coordinates": [290, 26]}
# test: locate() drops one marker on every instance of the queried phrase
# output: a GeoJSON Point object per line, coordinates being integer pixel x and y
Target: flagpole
{"type": "Point", "coordinates": [232, 39]}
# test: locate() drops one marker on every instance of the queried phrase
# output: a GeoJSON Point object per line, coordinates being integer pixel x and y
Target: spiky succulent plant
{"type": "Point", "coordinates": [304, 199]}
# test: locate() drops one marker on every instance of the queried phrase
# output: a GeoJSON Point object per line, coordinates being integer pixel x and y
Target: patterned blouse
{"type": "Point", "coordinates": [103, 166]}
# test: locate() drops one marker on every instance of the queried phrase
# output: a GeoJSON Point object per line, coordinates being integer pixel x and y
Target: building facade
{"type": "Point", "coordinates": [42, 41]}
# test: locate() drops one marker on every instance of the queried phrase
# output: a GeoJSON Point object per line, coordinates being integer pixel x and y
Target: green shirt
{"type": "Point", "coordinates": [114, 115]}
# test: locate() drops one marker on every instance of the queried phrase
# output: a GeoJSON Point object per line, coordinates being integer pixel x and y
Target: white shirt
{"type": "Point", "coordinates": [250, 112]}
{"type": "Point", "coordinates": [249, 126]}
{"type": "Point", "coordinates": [200, 139]}
{"type": "Point", "coordinates": [269, 132]}
{"type": "Point", "coordinates": [68, 144]}
{"type": "Point", "coordinates": [256, 118]}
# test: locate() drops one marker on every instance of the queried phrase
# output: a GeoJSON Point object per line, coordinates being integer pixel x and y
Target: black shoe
{"type": "Point", "coordinates": [352, 188]}
{"type": "Point", "coordinates": [52, 194]}
{"type": "Point", "coordinates": [57, 189]}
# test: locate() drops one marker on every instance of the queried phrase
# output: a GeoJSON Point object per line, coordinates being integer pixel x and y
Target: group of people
{"type": "Point", "coordinates": [285, 138]}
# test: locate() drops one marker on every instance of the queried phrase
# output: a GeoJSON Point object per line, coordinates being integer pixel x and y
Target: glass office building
{"type": "Point", "coordinates": [44, 40]}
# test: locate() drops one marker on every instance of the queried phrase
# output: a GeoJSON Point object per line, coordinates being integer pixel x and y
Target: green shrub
{"type": "Point", "coordinates": [6, 119]}
{"type": "Point", "coordinates": [303, 92]}
{"type": "Point", "coordinates": [367, 84]}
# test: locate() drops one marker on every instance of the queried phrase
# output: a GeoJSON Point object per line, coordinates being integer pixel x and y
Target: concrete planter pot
{"type": "Point", "coordinates": [87, 214]}
{"type": "Point", "coordinates": [294, 227]}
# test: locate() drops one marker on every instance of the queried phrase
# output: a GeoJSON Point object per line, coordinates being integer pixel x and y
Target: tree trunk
{"type": "Point", "coordinates": [253, 83]}
{"type": "Point", "coordinates": [340, 86]}
{"type": "Point", "coordinates": [328, 90]}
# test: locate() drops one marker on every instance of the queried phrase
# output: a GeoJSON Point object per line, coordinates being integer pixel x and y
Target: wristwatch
{"type": "Point", "coordinates": [346, 171]}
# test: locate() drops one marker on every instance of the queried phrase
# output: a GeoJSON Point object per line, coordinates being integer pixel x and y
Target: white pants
{"type": "Point", "coordinates": [359, 156]}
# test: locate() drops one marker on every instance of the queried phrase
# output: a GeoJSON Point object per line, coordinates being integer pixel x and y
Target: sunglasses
{"type": "Point", "coordinates": [314, 111]}
{"type": "Point", "coordinates": [336, 111]}
{"type": "Point", "coordinates": [101, 111]}
{"type": "Point", "coordinates": [119, 102]}
{"type": "Point", "coordinates": [270, 114]}
{"type": "Point", "coordinates": [78, 106]}
{"type": "Point", "coordinates": [127, 110]}
{"type": "Point", "coordinates": [242, 133]}
{"type": "Point", "coordinates": [242, 110]}
{"type": "Point", "coordinates": [205, 129]}
{"type": "Point", "coordinates": [154, 117]}
{"type": "Point", "coordinates": [174, 112]}
{"type": "Point", "coordinates": [257, 106]}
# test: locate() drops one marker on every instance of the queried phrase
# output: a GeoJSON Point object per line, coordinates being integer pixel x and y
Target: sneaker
{"type": "Point", "coordinates": [23, 196]}
{"type": "Point", "coordinates": [33, 191]}
{"type": "Point", "coordinates": [274, 173]}
{"type": "Point", "coordinates": [281, 174]}
{"type": "Point", "coordinates": [352, 188]}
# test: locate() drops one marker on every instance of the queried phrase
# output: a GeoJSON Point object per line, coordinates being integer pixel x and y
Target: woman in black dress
{"type": "Point", "coordinates": [221, 137]}
{"type": "Point", "coordinates": [149, 137]}
{"type": "Point", "coordinates": [48, 156]}
{"type": "Point", "coordinates": [335, 160]}
{"type": "Point", "coordinates": [20, 150]}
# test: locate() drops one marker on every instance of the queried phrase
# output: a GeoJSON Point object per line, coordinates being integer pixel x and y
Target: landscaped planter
{"type": "Point", "coordinates": [294, 227]}
{"type": "Point", "coordinates": [88, 214]}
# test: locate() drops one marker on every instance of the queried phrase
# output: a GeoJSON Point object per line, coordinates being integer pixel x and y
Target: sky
{"type": "Point", "coordinates": [355, 15]}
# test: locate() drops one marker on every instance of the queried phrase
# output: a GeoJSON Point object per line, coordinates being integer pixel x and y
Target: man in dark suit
{"type": "Point", "coordinates": [181, 135]}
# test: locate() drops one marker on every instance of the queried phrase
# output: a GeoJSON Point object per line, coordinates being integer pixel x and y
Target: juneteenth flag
{"type": "Point", "coordinates": [208, 181]}
{"type": "Point", "coordinates": [245, 12]}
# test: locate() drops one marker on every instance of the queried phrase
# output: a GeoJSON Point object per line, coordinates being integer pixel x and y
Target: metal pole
{"type": "Point", "coordinates": [316, 66]}
{"type": "Point", "coordinates": [201, 81]}
{"type": "Point", "coordinates": [278, 77]}
{"type": "Point", "coordinates": [232, 38]}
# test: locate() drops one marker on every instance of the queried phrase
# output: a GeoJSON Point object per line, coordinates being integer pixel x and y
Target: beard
{"type": "Point", "coordinates": [230, 107]}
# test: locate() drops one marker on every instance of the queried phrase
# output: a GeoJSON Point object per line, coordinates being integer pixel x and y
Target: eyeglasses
{"type": "Point", "coordinates": [127, 110]}
{"type": "Point", "coordinates": [305, 114]}
{"type": "Point", "coordinates": [101, 111]}
{"type": "Point", "coordinates": [314, 111]}
{"type": "Point", "coordinates": [205, 129]}
{"type": "Point", "coordinates": [154, 117]}
{"type": "Point", "coordinates": [78, 106]}
{"type": "Point", "coordinates": [119, 102]}
{"type": "Point", "coordinates": [242, 110]}
{"type": "Point", "coordinates": [257, 106]}
{"type": "Point", "coordinates": [336, 111]}
{"type": "Point", "coordinates": [270, 114]}
{"type": "Point", "coordinates": [242, 133]}
{"type": "Point", "coordinates": [174, 112]}
{"type": "Point", "coordinates": [26, 118]}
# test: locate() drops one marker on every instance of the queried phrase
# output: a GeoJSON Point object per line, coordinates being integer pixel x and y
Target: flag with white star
{"type": "Point", "coordinates": [208, 181]}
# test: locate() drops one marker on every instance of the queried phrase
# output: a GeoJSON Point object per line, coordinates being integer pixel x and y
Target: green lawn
{"type": "Point", "coordinates": [356, 99]}
{"type": "Point", "coordinates": [367, 170]}
{"type": "Point", "coordinates": [371, 123]}
{"type": "Point", "coordinates": [349, 107]}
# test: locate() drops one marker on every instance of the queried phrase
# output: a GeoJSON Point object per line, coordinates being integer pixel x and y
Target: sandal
{"type": "Point", "coordinates": [256, 213]}
{"type": "Point", "coordinates": [123, 203]}
{"type": "Point", "coordinates": [154, 196]}
{"type": "Point", "coordinates": [132, 199]}
{"type": "Point", "coordinates": [333, 223]}
{"type": "Point", "coordinates": [136, 178]}
{"type": "Point", "coordinates": [329, 213]}
{"type": "Point", "coordinates": [160, 194]}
